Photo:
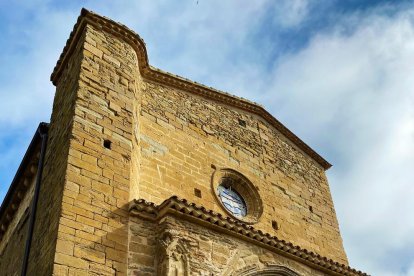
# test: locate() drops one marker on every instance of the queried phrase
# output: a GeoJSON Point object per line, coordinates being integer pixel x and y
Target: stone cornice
{"type": "Point", "coordinates": [191, 212]}
{"type": "Point", "coordinates": [153, 74]}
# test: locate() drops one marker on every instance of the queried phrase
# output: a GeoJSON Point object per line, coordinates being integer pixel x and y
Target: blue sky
{"type": "Point", "coordinates": [337, 73]}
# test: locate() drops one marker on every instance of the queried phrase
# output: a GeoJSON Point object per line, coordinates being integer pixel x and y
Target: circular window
{"type": "Point", "coordinates": [232, 201]}
{"type": "Point", "coordinates": [237, 195]}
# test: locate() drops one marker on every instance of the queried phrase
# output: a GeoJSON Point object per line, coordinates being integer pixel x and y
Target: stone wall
{"type": "Point", "coordinates": [11, 257]}
{"type": "Point", "coordinates": [12, 246]}
{"type": "Point", "coordinates": [183, 135]}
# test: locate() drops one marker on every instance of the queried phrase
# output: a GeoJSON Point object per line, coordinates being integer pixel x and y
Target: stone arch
{"type": "Point", "coordinates": [271, 270]}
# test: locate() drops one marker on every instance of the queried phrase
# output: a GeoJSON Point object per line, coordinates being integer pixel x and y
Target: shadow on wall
{"type": "Point", "coordinates": [101, 246]}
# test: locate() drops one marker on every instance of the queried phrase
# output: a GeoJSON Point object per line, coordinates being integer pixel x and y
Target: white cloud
{"type": "Point", "coordinates": [26, 92]}
{"type": "Point", "coordinates": [32, 41]}
{"type": "Point", "coordinates": [354, 91]}
{"type": "Point", "coordinates": [289, 14]}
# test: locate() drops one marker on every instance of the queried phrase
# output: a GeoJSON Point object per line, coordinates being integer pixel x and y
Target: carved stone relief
{"type": "Point", "coordinates": [172, 255]}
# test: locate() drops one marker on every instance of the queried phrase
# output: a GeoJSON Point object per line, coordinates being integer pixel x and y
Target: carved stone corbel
{"type": "Point", "coordinates": [172, 255]}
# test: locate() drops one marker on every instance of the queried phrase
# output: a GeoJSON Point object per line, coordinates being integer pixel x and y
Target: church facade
{"type": "Point", "coordinates": [141, 172]}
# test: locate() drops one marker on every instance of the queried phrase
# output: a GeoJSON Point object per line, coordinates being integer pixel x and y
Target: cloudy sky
{"type": "Point", "coordinates": [338, 73]}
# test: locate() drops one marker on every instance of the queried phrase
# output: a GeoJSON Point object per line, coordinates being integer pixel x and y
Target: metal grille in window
{"type": "Point", "coordinates": [233, 202]}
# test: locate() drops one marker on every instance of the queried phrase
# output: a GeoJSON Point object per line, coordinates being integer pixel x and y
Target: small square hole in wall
{"type": "Point", "coordinates": [275, 225]}
{"type": "Point", "coordinates": [311, 209]}
{"type": "Point", "coordinates": [242, 123]}
{"type": "Point", "coordinates": [197, 192]}
{"type": "Point", "coordinates": [107, 144]}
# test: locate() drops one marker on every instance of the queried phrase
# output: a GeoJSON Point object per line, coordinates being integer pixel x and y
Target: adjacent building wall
{"type": "Point", "coordinates": [12, 245]}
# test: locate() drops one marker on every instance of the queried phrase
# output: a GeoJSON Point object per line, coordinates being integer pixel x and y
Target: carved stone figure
{"type": "Point", "coordinates": [172, 255]}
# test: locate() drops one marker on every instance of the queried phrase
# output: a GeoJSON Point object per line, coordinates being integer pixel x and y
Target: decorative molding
{"type": "Point", "coordinates": [200, 215]}
{"type": "Point", "coordinates": [151, 73]}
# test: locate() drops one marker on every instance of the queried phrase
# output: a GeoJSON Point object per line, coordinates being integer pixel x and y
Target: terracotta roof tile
{"type": "Point", "coordinates": [173, 205]}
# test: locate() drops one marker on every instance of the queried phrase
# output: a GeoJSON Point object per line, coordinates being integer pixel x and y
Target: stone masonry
{"type": "Point", "coordinates": [122, 130]}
